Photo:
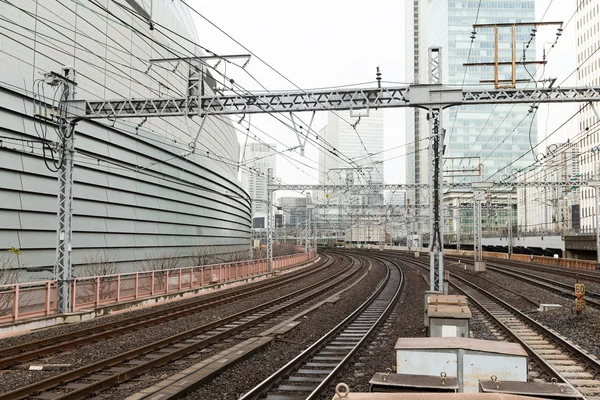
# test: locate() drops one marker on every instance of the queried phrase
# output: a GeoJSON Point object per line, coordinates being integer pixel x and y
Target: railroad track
{"type": "Point", "coordinates": [94, 378]}
{"type": "Point", "coordinates": [13, 355]}
{"type": "Point", "coordinates": [310, 374]}
{"type": "Point", "coordinates": [591, 276]}
{"type": "Point", "coordinates": [556, 357]}
{"type": "Point", "coordinates": [552, 285]}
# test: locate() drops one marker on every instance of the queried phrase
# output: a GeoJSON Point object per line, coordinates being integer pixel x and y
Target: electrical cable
{"type": "Point", "coordinates": [139, 33]}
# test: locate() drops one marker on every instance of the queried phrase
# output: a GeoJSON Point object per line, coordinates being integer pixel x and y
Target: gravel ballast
{"type": "Point", "coordinates": [90, 353]}
{"type": "Point", "coordinates": [583, 330]}
{"type": "Point", "coordinates": [237, 380]}
{"type": "Point", "coordinates": [405, 320]}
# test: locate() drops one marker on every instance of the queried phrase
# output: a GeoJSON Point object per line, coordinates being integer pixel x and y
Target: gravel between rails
{"type": "Point", "coordinates": [502, 281]}
{"type": "Point", "coordinates": [479, 327]}
{"type": "Point", "coordinates": [90, 353]}
{"type": "Point", "coordinates": [582, 330]}
{"type": "Point", "coordinates": [405, 320]}
{"type": "Point", "coordinates": [571, 280]}
{"type": "Point", "coordinates": [242, 377]}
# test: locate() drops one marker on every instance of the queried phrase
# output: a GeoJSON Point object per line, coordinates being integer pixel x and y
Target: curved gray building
{"type": "Point", "coordinates": [137, 191]}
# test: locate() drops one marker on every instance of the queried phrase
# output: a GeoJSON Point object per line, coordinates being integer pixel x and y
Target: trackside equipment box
{"type": "Point", "coordinates": [466, 359]}
{"type": "Point", "coordinates": [448, 320]}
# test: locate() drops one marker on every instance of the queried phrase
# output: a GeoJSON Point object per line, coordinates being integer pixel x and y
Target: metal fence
{"type": "Point", "coordinates": [526, 258]}
{"type": "Point", "coordinates": [36, 299]}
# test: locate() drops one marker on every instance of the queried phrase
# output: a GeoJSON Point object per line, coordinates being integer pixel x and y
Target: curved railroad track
{"type": "Point", "coordinates": [29, 351]}
{"type": "Point", "coordinates": [591, 276]}
{"type": "Point", "coordinates": [561, 288]}
{"type": "Point", "coordinates": [310, 374]}
{"type": "Point", "coordinates": [94, 378]}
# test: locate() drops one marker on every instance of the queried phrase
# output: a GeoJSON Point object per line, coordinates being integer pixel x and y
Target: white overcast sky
{"type": "Point", "coordinates": [340, 42]}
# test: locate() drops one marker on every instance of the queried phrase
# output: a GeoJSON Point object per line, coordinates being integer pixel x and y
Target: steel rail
{"type": "Point", "coordinates": [261, 389]}
{"type": "Point", "coordinates": [526, 298]}
{"type": "Point", "coordinates": [546, 283]}
{"type": "Point", "coordinates": [35, 349]}
{"type": "Point", "coordinates": [329, 379]}
{"type": "Point", "coordinates": [551, 285]}
{"type": "Point", "coordinates": [593, 276]}
{"type": "Point", "coordinates": [119, 377]}
{"type": "Point", "coordinates": [506, 330]}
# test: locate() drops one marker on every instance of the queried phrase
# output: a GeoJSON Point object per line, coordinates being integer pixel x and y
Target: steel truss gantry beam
{"type": "Point", "coordinates": [433, 98]}
{"type": "Point", "coordinates": [422, 96]}
{"type": "Point", "coordinates": [389, 207]}
{"type": "Point", "coordinates": [404, 186]}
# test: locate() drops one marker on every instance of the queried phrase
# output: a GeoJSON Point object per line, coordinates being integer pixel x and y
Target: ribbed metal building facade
{"type": "Point", "coordinates": [136, 194]}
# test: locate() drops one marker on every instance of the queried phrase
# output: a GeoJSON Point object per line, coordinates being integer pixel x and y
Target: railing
{"type": "Point", "coordinates": [38, 299]}
{"type": "Point", "coordinates": [559, 262]}
{"type": "Point", "coordinates": [27, 300]}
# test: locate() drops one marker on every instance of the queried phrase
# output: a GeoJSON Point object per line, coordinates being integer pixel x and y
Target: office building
{"type": "Point", "coordinates": [293, 210]}
{"type": "Point", "coordinates": [258, 158]}
{"type": "Point", "coordinates": [551, 210]}
{"type": "Point", "coordinates": [588, 57]}
{"type": "Point", "coordinates": [353, 155]}
{"type": "Point", "coordinates": [397, 198]}
{"type": "Point", "coordinates": [492, 137]}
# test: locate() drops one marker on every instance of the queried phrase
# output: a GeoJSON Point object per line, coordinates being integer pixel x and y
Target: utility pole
{"type": "Point", "coordinates": [479, 189]}
{"type": "Point", "coordinates": [436, 155]}
{"type": "Point", "coordinates": [63, 269]}
{"type": "Point", "coordinates": [308, 233]}
{"type": "Point", "coordinates": [510, 227]}
{"type": "Point", "coordinates": [270, 224]}
{"type": "Point", "coordinates": [458, 228]}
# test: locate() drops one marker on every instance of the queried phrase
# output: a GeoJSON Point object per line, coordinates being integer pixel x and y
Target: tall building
{"type": "Point", "coordinates": [138, 193]}
{"type": "Point", "coordinates": [293, 210]}
{"type": "Point", "coordinates": [346, 137]}
{"type": "Point", "coordinates": [360, 140]}
{"type": "Point", "coordinates": [397, 198]}
{"type": "Point", "coordinates": [259, 157]}
{"type": "Point", "coordinates": [547, 210]}
{"type": "Point", "coordinates": [588, 35]}
{"type": "Point", "coordinates": [490, 136]}
{"type": "Point", "coordinates": [416, 40]}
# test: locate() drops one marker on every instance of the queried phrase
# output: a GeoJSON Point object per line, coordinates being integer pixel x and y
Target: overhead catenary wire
{"type": "Point", "coordinates": [158, 25]}
{"type": "Point", "coordinates": [269, 66]}
{"type": "Point", "coordinates": [124, 76]}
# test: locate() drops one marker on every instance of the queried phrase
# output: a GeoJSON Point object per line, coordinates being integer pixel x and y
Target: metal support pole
{"type": "Point", "coordinates": [409, 231]}
{"type": "Point", "coordinates": [270, 224]}
{"type": "Point", "coordinates": [477, 227]}
{"type": "Point", "coordinates": [510, 227]}
{"type": "Point", "coordinates": [436, 200]}
{"type": "Point", "coordinates": [63, 268]}
{"type": "Point", "coordinates": [597, 227]}
{"type": "Point", "coordinates": [458, 228]}
{"type": "Point", "coordinates": [436, 154]}
{"type": "Point", "coordinates": [479, 191]}
{"type": "Point", "coordinates": [307, 240]}
{"type": "Point", "coordinates": [380, 238]}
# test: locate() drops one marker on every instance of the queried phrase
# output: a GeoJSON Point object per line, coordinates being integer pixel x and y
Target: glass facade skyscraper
{"type": "Point", "coordinates": [493, 136]}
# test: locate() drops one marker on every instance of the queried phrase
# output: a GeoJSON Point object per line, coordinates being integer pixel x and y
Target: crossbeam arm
{"type": "Point", "coordinates": [424, 96]}
{"type": "Point", "coordinates": [395, 187]}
